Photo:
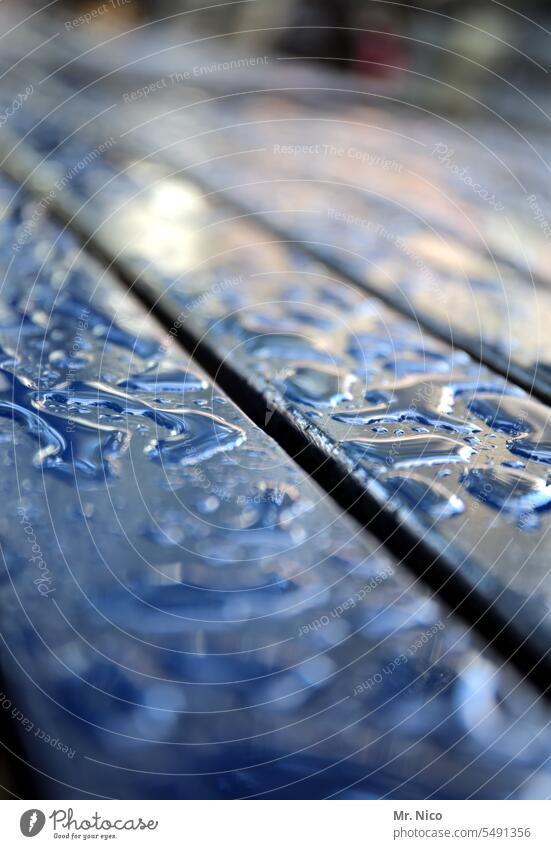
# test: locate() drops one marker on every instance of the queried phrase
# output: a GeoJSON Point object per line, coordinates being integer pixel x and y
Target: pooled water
{"type": "Point", "coordinates": [525, 420]}
{"type": "Point", "coordinates": [203, 435]}
{"type": "Point", "coordinates": [427, 402]}
{"type": "Point", "coordinates": [406, 452]}
{"type": "Point", "coordinates": [158, 380]}
{"type": "Point", "coordinates": [287, 346]}
{"type": "Point", "coordinates": [430, 498]}
{"type": "Point", "coordinates": [317, 386]}
{"type": "Point", "coordinates": [192, 435]}
{"type": "Point", "coordinates": [511, 490]}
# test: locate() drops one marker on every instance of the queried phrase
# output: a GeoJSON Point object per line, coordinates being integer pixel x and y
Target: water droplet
{"type": "Point", "coordinates": [159, 380]}
{"type": "Point", "coordinates": [286, 346]}
{"type": "Point", "coordinates": [409, 451]}
{"type": "Point", "coordinates": [52, 444]}
{"type": "Point", "coordinates": [318, 387]}
{"type": "Point", "coordinates": [167, 530]}
{"type": "Point", "coordinates": [201, 436]}
{"type": "Point", "coordinates": [522, 418]}
{"type": "Point", "coordinates": [512, 491]}
{"type": "Point", "coordinates": [431, 498]}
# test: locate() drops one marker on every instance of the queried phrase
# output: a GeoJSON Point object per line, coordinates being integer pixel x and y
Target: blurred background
{"type": "Point", "coordinates": [469, 46]}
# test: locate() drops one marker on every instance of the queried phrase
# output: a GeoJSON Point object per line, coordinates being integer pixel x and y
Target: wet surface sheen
{"type": "Point", "coordinates": [362, 380]}
{"type": "Point", "coordinates": [206, 611]}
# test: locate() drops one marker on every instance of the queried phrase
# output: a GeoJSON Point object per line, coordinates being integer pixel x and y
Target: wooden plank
{"type": "Point", "coordinates": [199, 619]}
{"type": "Point", "coordinates": [473, 495]}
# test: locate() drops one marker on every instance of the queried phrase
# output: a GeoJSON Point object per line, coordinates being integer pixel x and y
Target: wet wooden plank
{"type": "Point", "coordinates": [199, 618]}
{"type": "Point", "coordinates": [459, 453]}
